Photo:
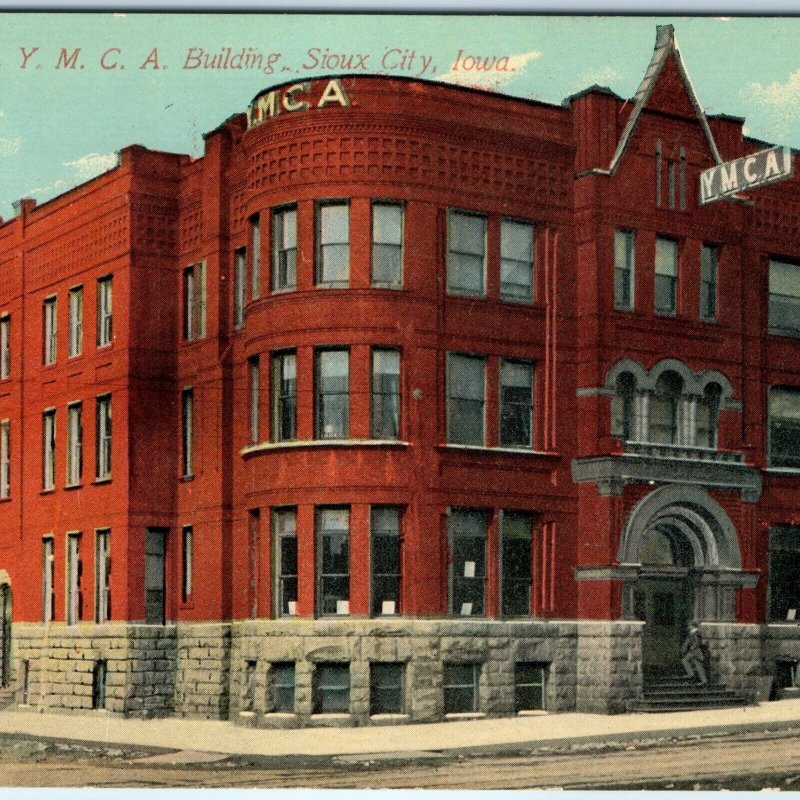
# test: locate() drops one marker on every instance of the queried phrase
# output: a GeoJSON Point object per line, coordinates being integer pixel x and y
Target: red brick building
{"type": "Point", "coordinates": [403, 400]}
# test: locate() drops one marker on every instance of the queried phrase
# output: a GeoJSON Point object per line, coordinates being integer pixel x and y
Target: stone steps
{"type": "Point", "coordinates": [681, 693]}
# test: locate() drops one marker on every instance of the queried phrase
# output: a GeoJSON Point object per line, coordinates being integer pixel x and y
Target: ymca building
{"type": "Point", "coordinates": [405, 401]}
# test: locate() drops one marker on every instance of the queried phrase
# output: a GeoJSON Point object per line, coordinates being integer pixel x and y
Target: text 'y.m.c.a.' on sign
{"type": "Point", "coordinates": [749, 172]}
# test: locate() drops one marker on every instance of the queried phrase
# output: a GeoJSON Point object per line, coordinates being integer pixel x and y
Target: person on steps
{"type": "Point", "coordinates": [693, 657]}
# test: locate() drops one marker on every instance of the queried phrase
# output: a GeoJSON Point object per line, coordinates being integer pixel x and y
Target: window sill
{"type": "Point", "coordinates": [71, 486]}
{"type": "Point", "coordinates": [5, 499]}
{"type": "Point", "coordinates": [514, 451]}
{"type": "Point", "coordinates": [100, 481]}
{"type": "Point", "coordinates": [283, 290]}
{"type": "Point", "coordinates": [787, 334]}
{"type": "Point", "coordinates": [787, 471]}
{"type": "Point", "coordinates": [186, 478]}
{"type": "Point", "coordinates": [391, 717]}
{"type": "Point", "coordinates": [48, 491]}
{"type": "Point", "coordinates": [533, 712]}
{"type": "Point", "coordinates": [460, 715]}
{"type": "Point", "coordinates": [300, 443]}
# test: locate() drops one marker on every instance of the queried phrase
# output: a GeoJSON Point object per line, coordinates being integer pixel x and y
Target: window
{"type": "Point", "coordinates": [784, 573]}
{"type": "Point", "coordinates": [387, 245]}
{"type": "Point", "coordinates": [467, 534]}
{"type": "Point", "coordinates": [189, 304]}
{"type": "Point", "coordinates": [249, 698]}
{"type": "Point", "coordinates": [622, 407]}
{"type": "Point", "coordinates": [5, 346]}
{"type": "Point", "coordinates": [102, 575]}
{"type": "Point", "coordinates": [708, 283]}
{"type": "Point", "coordinates": [460, 687]}
{"type": "Point", "coordinates": [284, 526]}
{"type": "Point", "coordinates": [333, 560]}
{"type": "Point", "coordinates": [74, 443]}
{"type": "Point", "coordinates": [282, 683]}
{"type": "Point", "coordinates": [333, 245]}
{"type": "Point", "coordinates": [239, 273]}
{"type": "Point", "coordinates": [708, 416]}
{"type": "Point", "coordinates": [784, 298]}
{"type": "Point", "coordinates": [466, 253]}
{"type": "Point", "coordinates": [333, 394]}
{"type": "Point", "coordinates": [75, 321]}
{"type": "Point", "coordinates": [658, 173]}
{"type": "Point", "coordinates": [255, 256]}
{"type": "Point", "coordinates": [385, 394]}
{"type": "Point", "coordinates": [48, 584]}
{"type": "Point", "coordinates": [99, 680]}
{"type": "Point", "coordinates": [73, 578]}
{"type": "Point", "coordinates": [284, 397]}
{"type": "Point", "coordinates": [187, 432]}
{"type": "Point", "coordinates": [104, 326]}
{"type": "Point", "coordinates": [331, 688]}
{"type": "Point", "coordinates": [466, 393]}
{"type": "Point", "coordinates": [49, 449]}
{"type": "Point", "coordinates": [515, 561]}
{"type": "Point", "coordinates": [50, 330]}
{"type": "Point", "coordinates": [255, 400]}
{"type": "Point", "coordinates": [187, 542]}
{"type": "Point", "coordinates": [155, 575]}
{"type": "Point", "coordinates": [386, 688]}
{"type": "Point", "coordinates": [5, 459]}
{"type": "Point", "coordinates": [666, 278]}
{"type": "Point", "coordinates": [624, 257]}
{"type": "Point", "coordinates": [385, 557]}
{"type": "Point", "coordinates": [784, 427]}
{"type": "Point", "coordinates": [253, 551]}
{"type": "Point", "coordinates": [664, 409]}
{"type": "Point", "coordinates": [516, 260]}
{"type": "Point", "coordinates": [103, 441]}
{"type": "Point", "coordinates": [529, 686]}
{"type": "Point", "coordinates": [284, 248]}
{"type": "Point", "coordinates": [516, 403]}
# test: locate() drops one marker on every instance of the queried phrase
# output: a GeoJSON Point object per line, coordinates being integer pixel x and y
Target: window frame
{"type": "Point", "coordinates": [624, 273]}
{"type": "Point", "coordinates": [280, 252]}
{"type": "Point", "coordinates": [74, 460]}
{"type": "Point", "coordinates": [375, 670]}
{"type": "Point", "coordinates": [102, 572]}
{"type": "Point", "coordinates": [48, 579]}
{"type": "Point", "coordinates": [276, 670]}
{"type": "Point", "coordinates": [280, 533]}
{"type": "Point", "coordinates": [5, 346]}
{"type": "Point", "coordinates": [376, 246]}
{"type": "Point", "coordinates": [75, 322]}
{"type": "Point", "coordinates": [105, 311]}
{"type": "Point", "coordinates": [187, 562]}
{"type": "Point", "coordinates": [320, 394]}
{"type": "Point", "coordinates": [254, 370]}
{"type": "Point", "coordinates": [452, 437]}
{"type": "Point", "coordinates": [506, 405]}
{"type": "Point", "coordinates": [73, 604]}
{"type": "Point", "coordinates": [187, 432]}
{"type": "Point", "coordinates": [50, 330]}
{"type": "Point", "coordinates": [103, 438]}
{"type": "Point", "coordinates": [451, 253]}
{"type": "Point", "coordinates": [709, 297]}
{"type": "Point", "coordinates": [255, 256]}
{"type": "Point", "coordinates": [772, 327]}
{"type": "Point", "coordinates": [454, 579]}
{"type": "Point", "coordinates": [530, 265]}
{"type": "Point", "coordinates": [375, 533]}
{"type": "Point", "coordinates": [239, 287]}
{"type": "Point", "coordinates": [543, 669]}
{"type": "Point", "coordinates": [319, 706]}
{"type": "Point", "coordinates": [505, 580]}
{"type": "Point", "coordinates": [280, 398]}
{"type": "Point", "coordinates": [380, 399]}
{"type": "Point", "coordinates": [320, 246]}
{"type": "Point", "coordinates": [777, 556]}
{"type": "Point", "coordinates": [448, 683]}
{"type": "Point", "coordinates": [663, 311]}
{"type": "Point", "coordinates": [49, 449]}
{"type": "Point", "coordinates": [324, 576]}
{"type": "Point", "coordinates": [5, 459]}
{"type": "Point", "coordinates": [794, 466]}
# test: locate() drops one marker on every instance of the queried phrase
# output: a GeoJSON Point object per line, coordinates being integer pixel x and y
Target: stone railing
{"type": "Point", "coordinates": [684, 452]}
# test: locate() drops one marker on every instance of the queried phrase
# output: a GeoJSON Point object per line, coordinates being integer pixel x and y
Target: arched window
{"type": "Point", "coordinates": [665, 546]}
{"type": "Point", "coordinates": [622, 407]}
{"type": "Point", "coordinates": [708, 416]}
{"type": "Point", "coordinates": [664, 409]}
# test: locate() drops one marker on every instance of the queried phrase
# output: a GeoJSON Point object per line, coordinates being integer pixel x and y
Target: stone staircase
{"type": "Point", "coordinates": [681, 693]}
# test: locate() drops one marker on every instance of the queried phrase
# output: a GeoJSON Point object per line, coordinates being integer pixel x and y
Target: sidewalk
{"type": "Point", "coordinates": [494, 735]}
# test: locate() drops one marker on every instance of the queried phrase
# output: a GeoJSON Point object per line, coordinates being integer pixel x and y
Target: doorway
{"type": "Point", "coordinates": [664, 604]}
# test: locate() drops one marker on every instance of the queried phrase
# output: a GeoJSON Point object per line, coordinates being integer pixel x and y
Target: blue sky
{"type": "Point", "coordinates": [60, 125]}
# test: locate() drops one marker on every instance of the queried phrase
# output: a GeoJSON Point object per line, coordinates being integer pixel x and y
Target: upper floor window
{"type": "Point", "coordinates": [664, 406]}
{"type": "Point", "coordinates": [784, 298]}
{"type": "Point", "coordinates": [5, 346]}
{"type": "Point", "coordinates": [333, 244]}
{"type": "Point", "coordinates": [515, 563]}
{"type": "Point", "coordinates": [254, 364]}
{"type": "Point", "coordinates": [385, 394]}
{"type": "Point", "coordinates": [5, 459]}
{"type": "Point", "coordinates": [105, 331]}
{"type": "Point", "coordinates": [666, 276]}
{"type": "Point", "coordinates": [387, 245]}
{"type": "Point", "coordinates": [333, 561]}
{"type": "Point", "coordinates": [466, 253]}
{"type": "Point", "coordinates": [74, 605]}
{"type": "Point", "coordinates": [284, 248]}
{"type": "Point", "coordinates": [194, 301]}
{"type": "Point", "coordinates": [48, 579]}
{"type": "Point", "coordinates": [187, 541]}
{"type": "Point", "coordinates": [74, 443]}
{"type": "Point", "coordinates": [466, 396]}
{"type": "Point", "coordinates": [103, 440]}
{"type": "Point", "coordinates": [187, 432]}
{"type": "Point", "coordinates": [784, 427]}
{"type": "Point", "coordinates": [239, 275]}
{"type": "Point", "coordinates": [622, 407]}
{"type": "Point", "coordinates": [708, 283]}
{"type": "Point", "coordinates": [385, 559]}
{"type": "Point", "coordinates": [284, 397]}
{"type": "Point", "coordinates": [255, 256]}
{"type": "Point", "coordinates": [50, 330]}
{"type": "Point", "coordinates": [516, 403]}
{"type": "Point", "coordinates": [49, 449]}
{"type": "Point", "coordinates": [623, 268]}
{"type": "Point", "coordinates": [284, 527]}
{"type": "Point", "coordinates": [75, 321]}
{"type": "Point", "coordinates": [102, 575]}
{"type": "Point", "coordinates": [333, 394]}
{"type": "Point", "coordinates": [467, 533]}
{"type": "Point", "coordinates": [708, 416]}
{"type": "Point", "coordinates": [516, 260]}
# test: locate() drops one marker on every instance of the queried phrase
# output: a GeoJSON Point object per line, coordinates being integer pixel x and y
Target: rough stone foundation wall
{"type": "Point", "coordinates": [202, 670]}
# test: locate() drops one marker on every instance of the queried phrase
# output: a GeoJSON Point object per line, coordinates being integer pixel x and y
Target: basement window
{"type": "Point", "coordinates": [282, 683]}
{"type": "Point", "coordinates": [460, 688]}
{"type": "Point", "coordinates": [530, 680]}
{"type": "Point", "coordinates": [99, 681]}
{"type": "Point", "coordinates": [332, 688]}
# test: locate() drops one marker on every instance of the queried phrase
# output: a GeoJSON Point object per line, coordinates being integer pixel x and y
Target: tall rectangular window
{"type": "Point", "coordinates": [74, 604]}
{"type": "Point", "coordinates": [708, 283]}
{"type": "Point", "coordinates": [253, 553]}
{"type": "Point", "coordinates": [187, 432]}
{"type": "Point", "coordinates": [200, 299]}
{"type": "Point", "coordinates": [5, 346]}
{"type": "Point", "coordinates": [105, 330]}
{"type": "Point", "coordinates": [255, 256]}
{"type": "Point", "coordinates": [187, 544]}
{"type": "Point", "coordinates": [516, 260]}
{"type": "Point", "coordinates": [466, 253]}
{"type": "Point", "coordinates": [460, 687]}
{"type": "Point", "coordinates": [515, 564]}
{"type": "Point", "coordinates": [282, 683]}
{"type": "Point", "coordinates": [516, 403]}
{"type": "Point", "coordinates": [666, 276]}
{"type": "Point", "coordinates": [254, 364]}
{"type": "Point", "coordinates": [102, 575]}
{"type": "Point", "coordinates": [466, 395]}
{"type": "Point", "coordinates": [624, 266]}
{"type": "Point", "coordinates": [284, 527]}
{"type": "Point", "coordinates": [333, 245]}
{"type": "Point", "coordinates": [284, 248]}
{"type": "Point", "coordinates": [48, 575]}
{"type": "Point", "coordinates": [385, 394]}
{"type": "Point", "coordinates": [387, 245]}
{"type": "Point", "coordinates": [5, 459]}
{"type": "Point", "coordinates": [74, 443]}
{"type": "Point", "coordinates": [103, 438]}
{"type": "Point", "coordinates": [332, 394]}
{"type": "Point", "coordinates": [386, 688]}
{"type": "Point", "coordinates": [189, 304]}
{"type": "Point", "coordinates": [49, 449]}
{"type": "Point", "coordinates": [284, 397]}
{"type": "Point", "coordinates": [155, 550]}
{"type": "Point", "coordinates": [385, 560]}
{"type": "Point", "coordinates": [784, 573]}
{"type": "Point", "coordinates": [331, 688]}
{"type": "Point", "coordinates": [784, 427]}
{"type": "Point", "coordinates": [333, 561]}
{"type": "Point", "coordinates": [239, 286]}
{"type": "Point", "coordinates": [530, 681]}
{"type": "Point", "coordinates": [50, 330]}
{"type": "Point", "coordinates": [467, 533]}
{"type": "Point", "coordinates": [75, 321]}
{"type": "Point", "coordinates": [784, 298]}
